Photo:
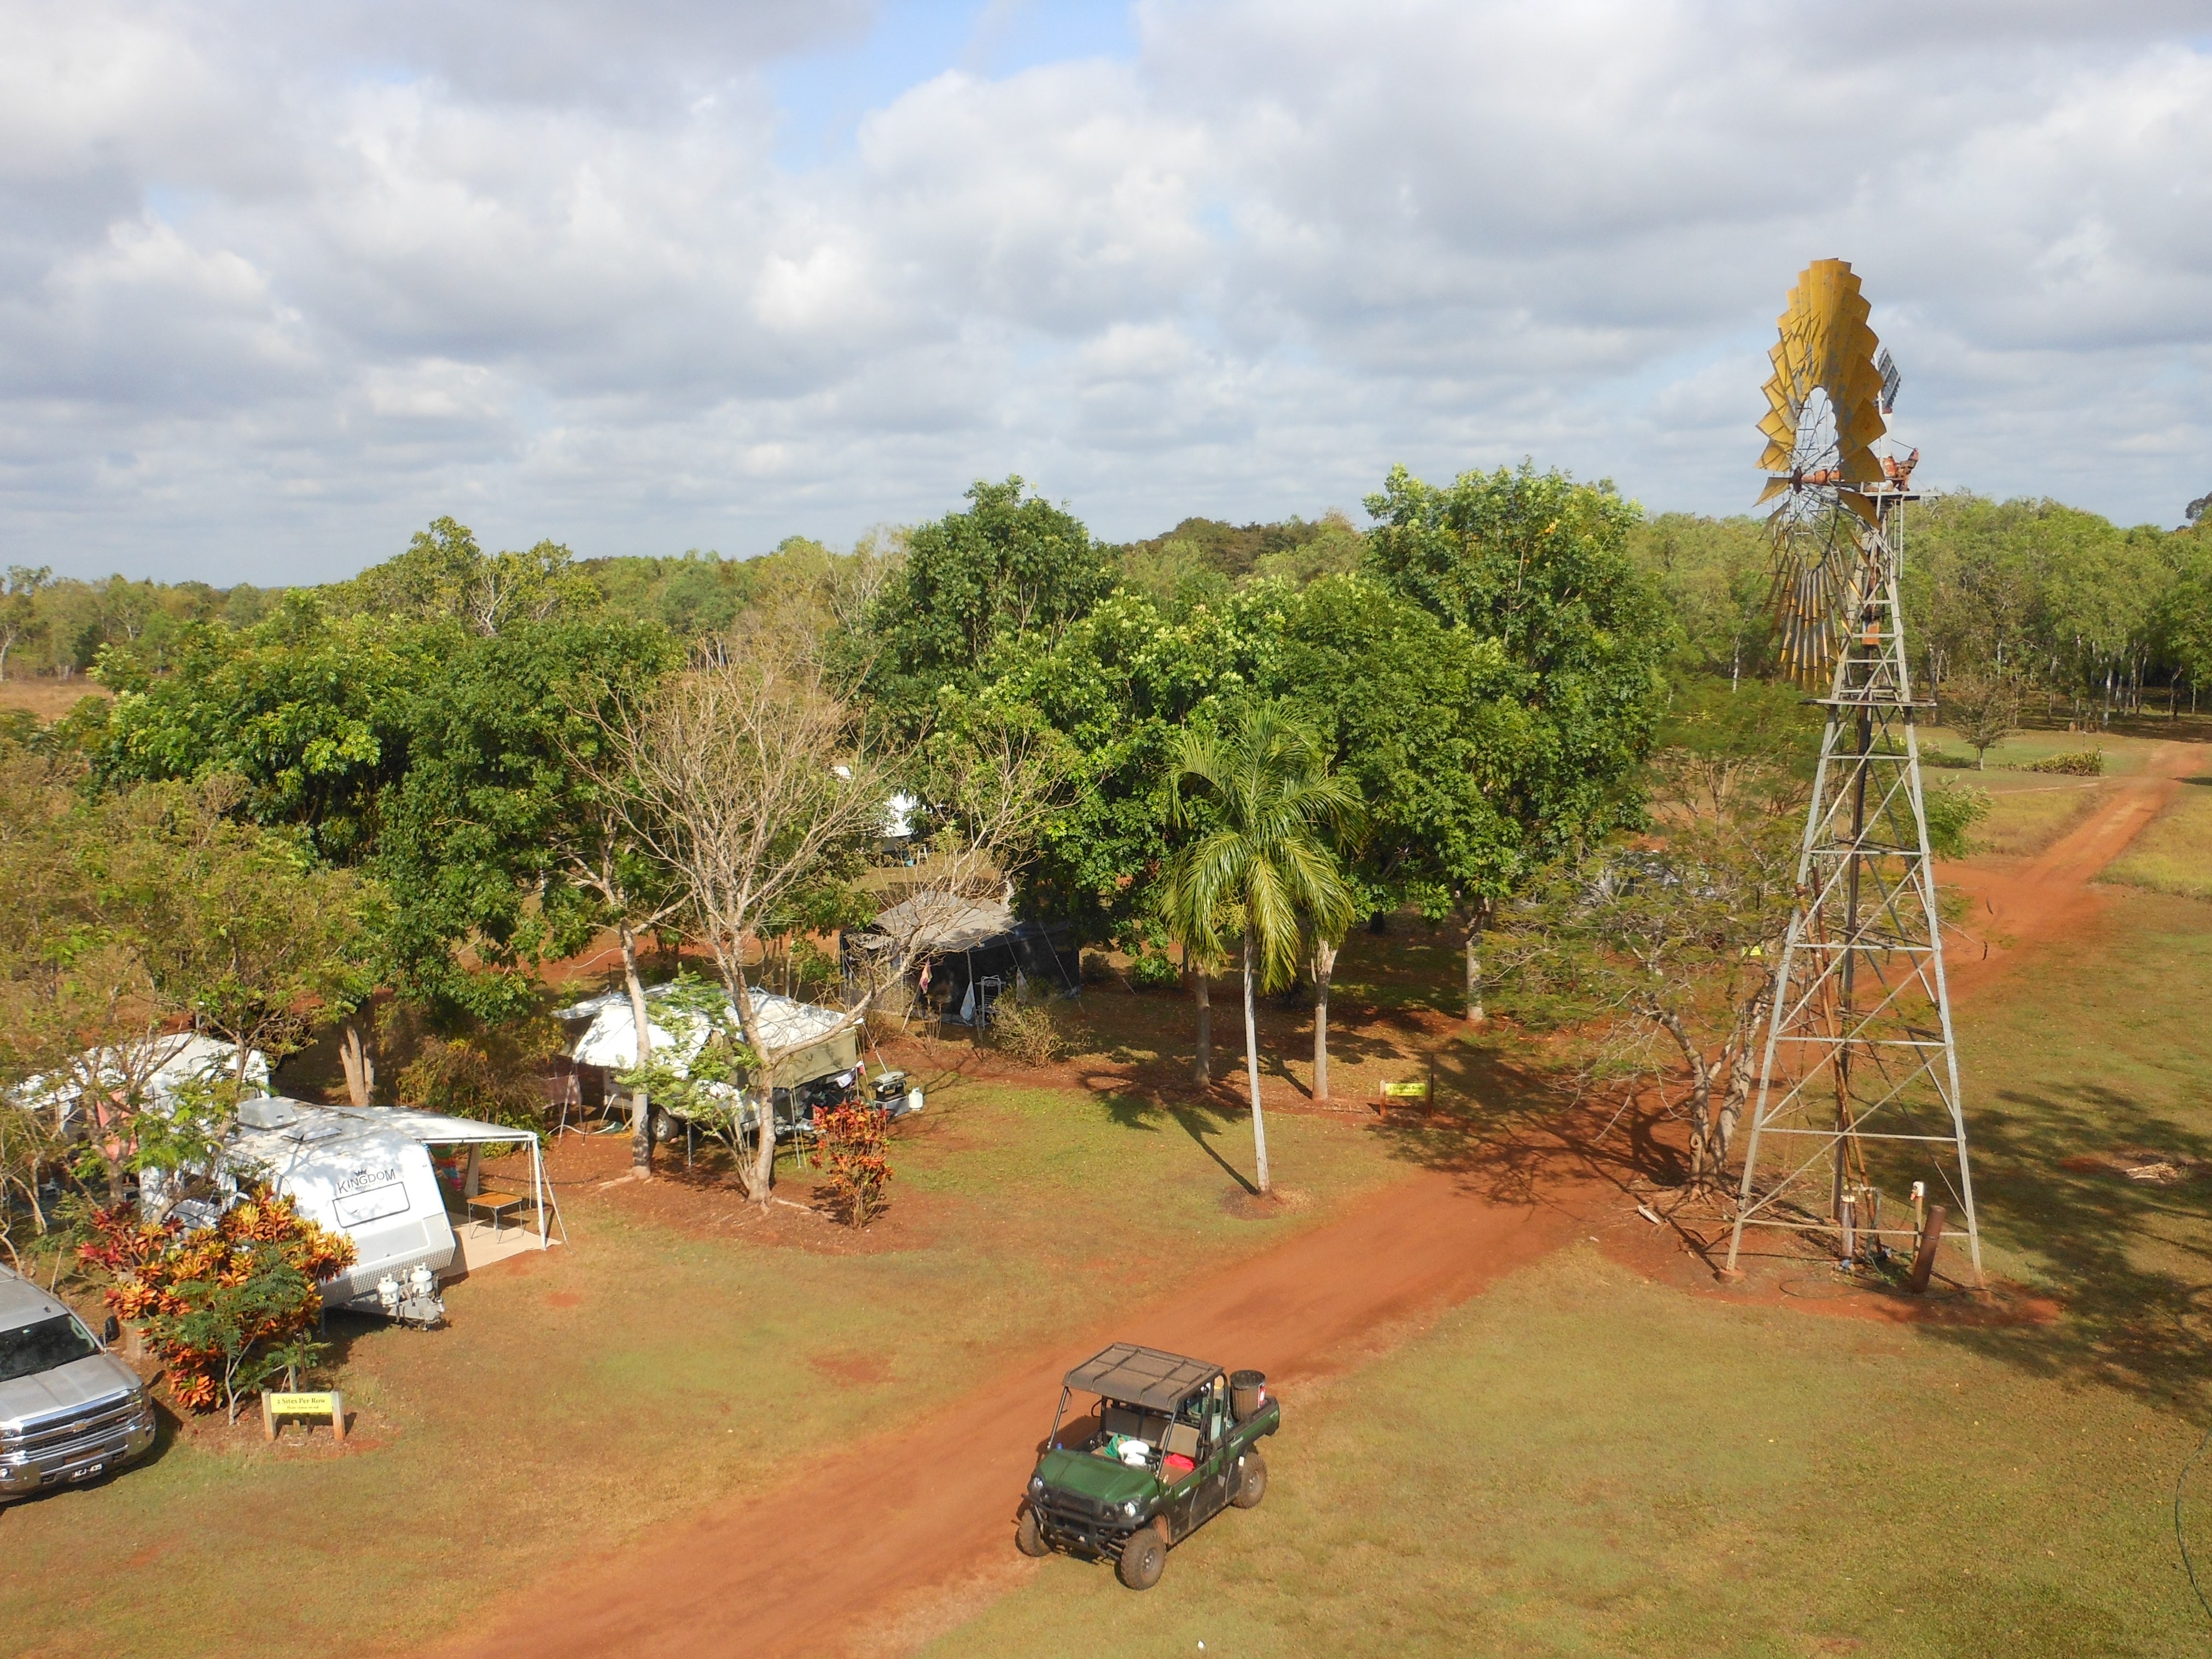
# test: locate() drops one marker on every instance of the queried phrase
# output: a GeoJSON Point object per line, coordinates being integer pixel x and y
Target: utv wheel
{"type": "Point", "coordinates": [1029, 1537]}
{"type": "Point", "coordinates": [1251, 1482]}
{"type": "Point", "coordinates": [1144, 1558]}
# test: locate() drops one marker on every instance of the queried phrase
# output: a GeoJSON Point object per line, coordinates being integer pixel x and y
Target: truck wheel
{"type": "Point", "coordinates": [1251, 1482]}
{"type": "Point", "coordinates": [1144, 1558]}
{"type": "Point", "coordinates": [1029, 1537]}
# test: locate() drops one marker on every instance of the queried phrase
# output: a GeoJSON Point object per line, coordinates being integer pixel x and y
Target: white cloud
{"type": "Point", "coordinates": [277, 287]}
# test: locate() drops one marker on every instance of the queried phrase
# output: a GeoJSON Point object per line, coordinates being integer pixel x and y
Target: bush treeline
{"type": "Point", "coordinates": [2094, 618]}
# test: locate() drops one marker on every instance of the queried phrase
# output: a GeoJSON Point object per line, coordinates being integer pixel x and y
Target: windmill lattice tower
{"type": "Point", "coordinates": [1858, 1088]}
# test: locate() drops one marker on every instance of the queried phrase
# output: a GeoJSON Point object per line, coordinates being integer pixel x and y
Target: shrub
{"type": "Point", "coordinates": [462, 1079]}
{"type": "Point", "coordinates": [2078, 764]}
{"type": "Point", "coordinates": [1952, 811]}
{"type": "Point", "coordinates": [1028, 1030]}
{"type": "Point", "coordinates": [229, 1306]}
{"type": "Point", "coordinates": [1153, 971]}
{"type": "Point", "coordinates": [855, 1142]}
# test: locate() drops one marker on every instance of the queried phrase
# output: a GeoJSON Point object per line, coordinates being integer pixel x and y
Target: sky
{"type": "Point", "coordinates": [278, 285]}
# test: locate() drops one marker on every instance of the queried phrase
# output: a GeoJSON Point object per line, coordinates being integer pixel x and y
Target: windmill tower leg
{"type": "Point", "coordinates": [1858, 1085]}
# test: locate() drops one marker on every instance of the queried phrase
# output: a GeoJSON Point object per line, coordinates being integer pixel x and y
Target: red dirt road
{"type": "Point", "coordinates": [928, 1504]}
{"type": "Point", "coordinates": [2026, 903]}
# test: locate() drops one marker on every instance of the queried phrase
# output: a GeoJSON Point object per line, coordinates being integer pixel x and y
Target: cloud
{"type": "Point", "coordinates": [277, 287]}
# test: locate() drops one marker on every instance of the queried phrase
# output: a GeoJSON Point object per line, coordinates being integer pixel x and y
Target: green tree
{"type": "Point", "coordinates": [19, 621]}
{"type": "Point", "coordinates": [1717, 578]}
{"type": "Point", "coordinates": [235, 924]}
{"type": "Point", "coordinates": [1265, 812]}
{"type": "Point", "coordinates": [444, 573]}
{"type": "Point", "coordinates": [433, 757]}
{"type": "Point", "coordinates": [1009, 567]}
{"type": "Point", "coordinates": [1983, 710]}
{"type": "Point", "coordinates": [1539, 563]}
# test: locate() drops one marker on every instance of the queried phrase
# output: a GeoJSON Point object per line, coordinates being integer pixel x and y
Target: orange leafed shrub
{"type": "Point", "coordinates": [855, 1142]}
{"type": "Point", "coordinates": [214, 1301]}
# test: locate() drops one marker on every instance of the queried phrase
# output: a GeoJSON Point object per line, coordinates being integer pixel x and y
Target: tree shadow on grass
{"type": "Point", "coordinates": [1200, 1122]}
{"type": "Point", "coordinates": [2126, 1257]}
{"type": "Point", "coordinates": [1510, 1134]}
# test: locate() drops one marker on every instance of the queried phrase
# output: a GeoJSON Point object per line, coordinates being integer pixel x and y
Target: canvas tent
{"type": "Point", "coordinates": [963, 953]}
{"type": "Point", "coordinates": [808, 1042]}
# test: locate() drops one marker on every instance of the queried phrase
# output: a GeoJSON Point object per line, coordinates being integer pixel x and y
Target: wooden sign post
{"type": "Point", "coordinates": [330, 1405]}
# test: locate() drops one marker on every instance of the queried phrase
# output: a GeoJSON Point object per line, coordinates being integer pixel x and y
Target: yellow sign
{"type": "Point", "coordinates": [330, 1406]}
{"type": "Point", "coordinates": [1405, 1091]}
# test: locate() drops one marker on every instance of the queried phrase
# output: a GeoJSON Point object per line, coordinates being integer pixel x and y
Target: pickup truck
{"type": "Point", "coordinates": [70, 1410]}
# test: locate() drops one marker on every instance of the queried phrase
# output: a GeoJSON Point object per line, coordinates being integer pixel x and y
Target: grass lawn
{"type": "Point", "coordinates": [2124, 755]}
{"type": "Point", "coordinates": [2029, 810]}
{"type": "Point", "coordinates": [1589, 1461]}
{"type": "Point", "coordinates": [581, 1396]}
{"type": "Point", "coordinates": [2174, 854]}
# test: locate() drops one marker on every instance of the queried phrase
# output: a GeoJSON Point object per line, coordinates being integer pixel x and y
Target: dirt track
{"type": "Point", "coordinates": [2019, 905]}
{"type": "Point", "coordinates": [930, 1505]}
{"type": "Point", "coordinates": [933, 1505]}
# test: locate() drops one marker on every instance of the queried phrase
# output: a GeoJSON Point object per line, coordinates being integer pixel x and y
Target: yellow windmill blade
{"type": "Point", "coordinates": [1823, 419]}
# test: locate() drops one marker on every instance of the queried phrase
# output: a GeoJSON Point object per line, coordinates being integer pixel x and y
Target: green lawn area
{"type": "Point", "coordinates": [2122, 755]}
{"type": "Point", "coordinates": [2029, 810]}
{"type": "Point", "coordinates": [593, 1392]}
{"type": "Point", "coordinates": [1586, 1462]}
{"type": "Point", "coordinates": [2174, 854]}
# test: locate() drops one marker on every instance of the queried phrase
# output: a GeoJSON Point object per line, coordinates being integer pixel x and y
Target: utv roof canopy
{"type": "Point", "coordinates": [1140, 1376]}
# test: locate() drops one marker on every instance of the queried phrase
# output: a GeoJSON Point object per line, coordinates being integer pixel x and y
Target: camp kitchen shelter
{"type": "Point", "coordinates": [808, 1042]}
{"type": "Point", "coordinates": [972, 950]}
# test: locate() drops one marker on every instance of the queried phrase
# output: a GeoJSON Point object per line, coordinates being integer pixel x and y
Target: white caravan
{"type": "Point", "coordinates": [355, 1176]}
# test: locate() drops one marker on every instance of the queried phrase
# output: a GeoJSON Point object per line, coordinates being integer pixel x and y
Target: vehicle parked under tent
{"type": "Point", "coordinates": [816, 1050]}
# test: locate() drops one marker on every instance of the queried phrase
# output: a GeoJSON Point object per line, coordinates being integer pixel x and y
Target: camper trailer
{"type": "Point", "coordinates": [371, 1183]}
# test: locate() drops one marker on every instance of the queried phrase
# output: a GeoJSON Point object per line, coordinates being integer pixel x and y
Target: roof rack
{"type": "Point", "coordinates": [1140, 1376]}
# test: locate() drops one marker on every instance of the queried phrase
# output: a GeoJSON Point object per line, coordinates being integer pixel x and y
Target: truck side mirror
{"type": "Point", "coordinates": [110, 1332]}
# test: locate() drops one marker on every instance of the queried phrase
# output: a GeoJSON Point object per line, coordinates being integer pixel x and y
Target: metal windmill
{"type": "Point", "coordinates": [1858, 1087]}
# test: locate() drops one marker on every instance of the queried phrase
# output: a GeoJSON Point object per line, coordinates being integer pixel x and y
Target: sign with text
{"type": "Point", "coordinates": [331, 1406]}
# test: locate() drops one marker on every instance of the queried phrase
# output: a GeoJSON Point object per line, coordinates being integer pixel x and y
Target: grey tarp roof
{"type": "Point", "coordinates": [941, 923]}
{"type": "Point", "coordinates": [1140, 1376]}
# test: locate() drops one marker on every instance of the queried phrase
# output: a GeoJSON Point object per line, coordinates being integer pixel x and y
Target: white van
{"type": "Point", "coordinates": [372, 1184]}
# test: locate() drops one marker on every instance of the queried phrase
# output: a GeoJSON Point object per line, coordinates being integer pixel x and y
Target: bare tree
{"type": "Point", "coordinates": [751, 780]}
{"type": "Point", "coordinates": [606, 859]}
{"type": "Point", "coordinates": [1661, 957]}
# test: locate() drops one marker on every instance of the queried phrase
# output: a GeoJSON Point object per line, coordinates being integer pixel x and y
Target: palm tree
{"type": "Point", "coordinates": [1263, 808]}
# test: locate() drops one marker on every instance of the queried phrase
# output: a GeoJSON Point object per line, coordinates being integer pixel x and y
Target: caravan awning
{"type": "Point", "coordinates": [432, 1128]}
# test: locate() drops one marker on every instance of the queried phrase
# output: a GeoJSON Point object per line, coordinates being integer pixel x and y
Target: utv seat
{"type": "Point", "coordinates": [1138, 1425]}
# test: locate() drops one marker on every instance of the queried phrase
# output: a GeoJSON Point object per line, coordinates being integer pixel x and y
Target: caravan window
{"type": "Point", "coordinates": [29, 1349]}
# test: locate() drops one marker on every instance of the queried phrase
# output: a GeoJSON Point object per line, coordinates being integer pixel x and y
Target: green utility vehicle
{"type": "Point", "coordinates": [1174, 1442]}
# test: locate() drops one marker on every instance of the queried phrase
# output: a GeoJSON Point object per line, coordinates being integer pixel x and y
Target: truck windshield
{"type": "Point", "coordinates": [29, 1349]}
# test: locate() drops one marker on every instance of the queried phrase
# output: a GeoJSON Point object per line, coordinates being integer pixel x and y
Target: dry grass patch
{"type": "Point", "coordinates": [48, 700]}
{"type": "Point", "coordinates": [2174, 854]}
